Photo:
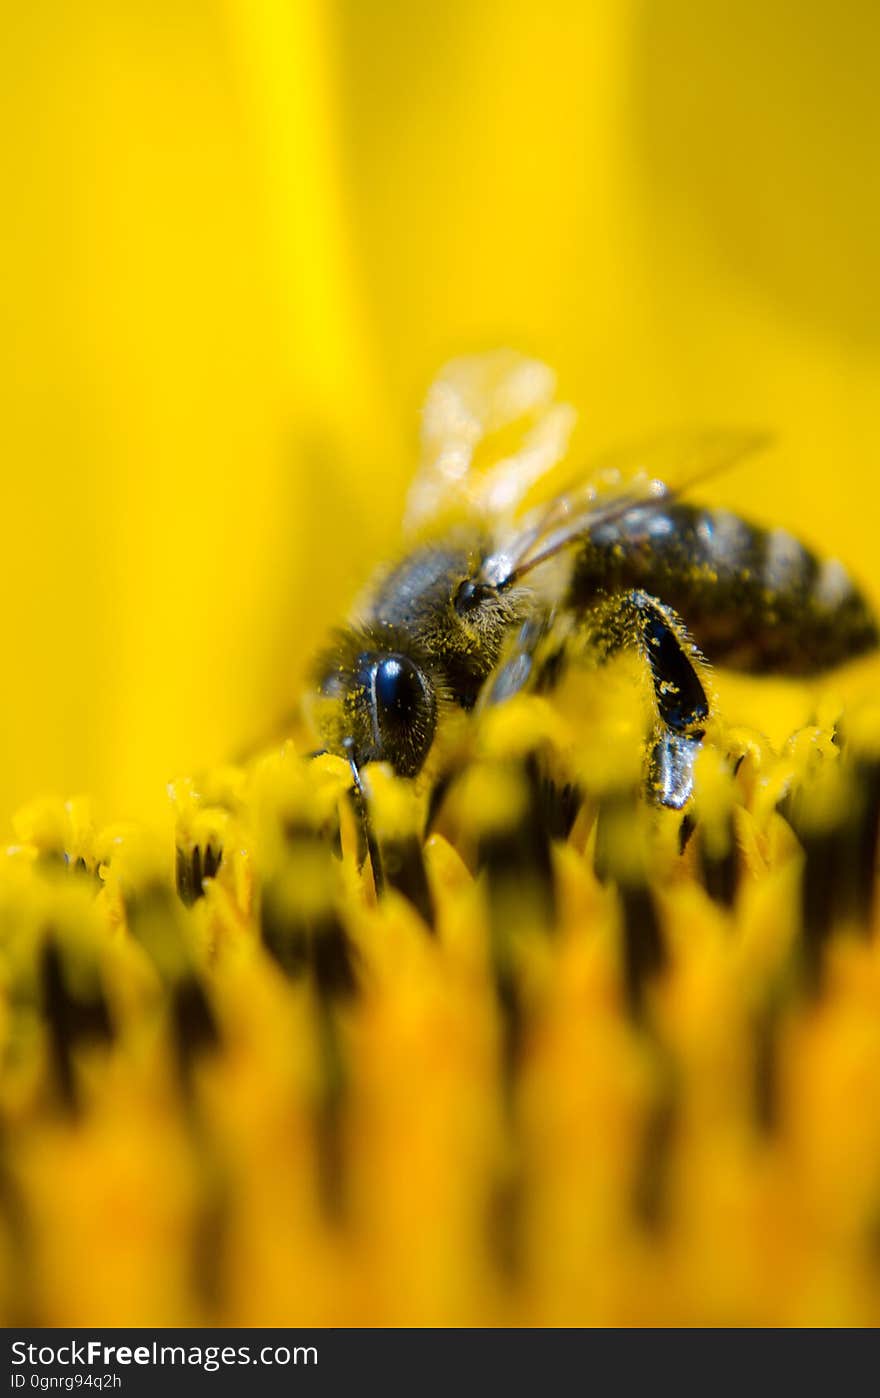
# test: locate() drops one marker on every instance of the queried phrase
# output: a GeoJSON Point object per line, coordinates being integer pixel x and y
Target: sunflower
{"type": "Point", "coordinates": [514, 1048]}
{"type": "Point", "coordinates": [537, 1060]}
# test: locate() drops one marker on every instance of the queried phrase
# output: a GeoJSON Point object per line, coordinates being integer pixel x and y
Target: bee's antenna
{"type": "Point", "coordinates": [348, 745]}
{"type": "Point", "coordinates": [363, 812]}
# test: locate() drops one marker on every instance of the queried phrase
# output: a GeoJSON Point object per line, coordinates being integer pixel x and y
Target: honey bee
{"type": "Point", "coordinates": [617, 559]}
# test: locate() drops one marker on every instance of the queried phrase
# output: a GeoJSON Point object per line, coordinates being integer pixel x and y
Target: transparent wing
{"type": "Point", "coordinates": [643, 476]}
{"type": "Point", "coordinates": [491, 431]}
{"type": "Point", "coordinates": [495, 443]}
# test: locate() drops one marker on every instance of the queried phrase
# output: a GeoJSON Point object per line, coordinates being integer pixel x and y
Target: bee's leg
{"type": "Point", "coordinates": [367, 835]}
{"type": "Point", "coordinates": [674, 662]}
{"type": "Point", "coordinates": [533, 661]}
{"type": "Point", "coordinates": [517, 670]}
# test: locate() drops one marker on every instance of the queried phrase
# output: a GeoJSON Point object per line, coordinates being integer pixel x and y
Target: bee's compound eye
{"type": "Point", "coordinates": [399, 688]}
{"type": "Point", "coordinates": [405, 712]}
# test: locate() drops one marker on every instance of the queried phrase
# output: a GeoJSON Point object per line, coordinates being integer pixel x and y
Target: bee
{"type": "Point", "coordinates": [616, 560]}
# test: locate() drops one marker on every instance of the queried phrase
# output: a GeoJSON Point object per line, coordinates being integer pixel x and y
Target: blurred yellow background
{"type": "Point", "coordinates": [240, 238]}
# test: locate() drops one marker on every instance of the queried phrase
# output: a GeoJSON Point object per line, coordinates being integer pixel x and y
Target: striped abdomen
{"type": "Point", "coordinates": [754, 599]}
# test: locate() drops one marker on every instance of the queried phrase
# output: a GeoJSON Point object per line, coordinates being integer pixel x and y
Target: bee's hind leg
{"type": "Point", "coordinates": [681, 704]}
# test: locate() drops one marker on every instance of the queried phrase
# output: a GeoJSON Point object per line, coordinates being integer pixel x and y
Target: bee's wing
{"type": "Point", "coordinates": [640, 477]}
{"type": "Point", "coordinates": [502, 397]}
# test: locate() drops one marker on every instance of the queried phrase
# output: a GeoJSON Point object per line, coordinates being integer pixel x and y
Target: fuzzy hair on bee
{"type": "Point", "coordinates": [614, 558]}
{"type": "Point", "coordinates": [433, 635]}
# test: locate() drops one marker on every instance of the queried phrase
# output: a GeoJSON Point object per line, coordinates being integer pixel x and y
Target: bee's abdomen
{"type": "Point", "coordinates": [754, 599]}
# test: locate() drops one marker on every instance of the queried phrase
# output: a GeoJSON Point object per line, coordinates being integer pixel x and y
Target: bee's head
{"type": "Point", "coordinates": [383, 702]}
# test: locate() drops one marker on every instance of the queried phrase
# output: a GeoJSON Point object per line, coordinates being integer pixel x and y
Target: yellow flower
{"type": "Point", "coordinates": [536, 1052]}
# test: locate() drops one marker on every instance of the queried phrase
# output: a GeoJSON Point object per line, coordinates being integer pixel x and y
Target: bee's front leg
{"type": "Point", "coordinates": [674, 662]}
{"type": "Point", "coordinates": [517, 669]}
